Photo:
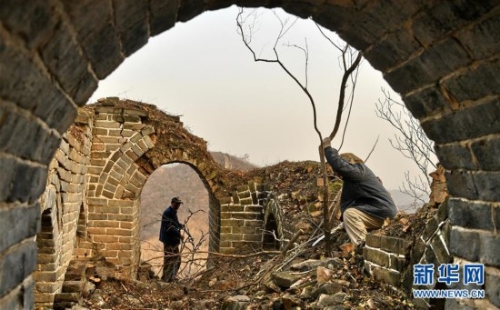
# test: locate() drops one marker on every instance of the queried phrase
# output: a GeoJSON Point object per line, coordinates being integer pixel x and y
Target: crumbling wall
{"type": "Point", "coordinates": [62, 207]}
{"type": "Point", "coordinates": [241, 219]}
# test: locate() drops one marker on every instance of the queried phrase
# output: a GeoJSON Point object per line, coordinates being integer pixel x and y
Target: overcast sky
{"type": "Point", "coordinates": [201, 71]}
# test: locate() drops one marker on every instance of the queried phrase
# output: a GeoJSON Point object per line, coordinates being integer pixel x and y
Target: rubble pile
{"type": "Point", "coordinates": [304, 278]}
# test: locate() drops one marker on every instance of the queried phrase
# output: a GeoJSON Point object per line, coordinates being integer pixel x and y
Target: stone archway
{"type": "Point", "coordinates": [130, 141]}
{"type": "Point", "coordinates": [441, 56]}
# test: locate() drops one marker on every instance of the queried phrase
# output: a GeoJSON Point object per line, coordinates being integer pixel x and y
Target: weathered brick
{"type": "Point", "coordinates": [107, 124]}
{"type": "Point", "coordinates": [26, 138]}
{"type": "Point", "coordinates": [456, 156]}
{"type": "Point", "coordinates": [492, 287]}
{"type": "Point", "coordinates": [483, 150]}
{"type": "Point", "coordinates": [481, 38]}
{"type": "Point", "coordinates": [253, 237]}
{"type": "Point", "coordinates": [232, 223]}
{"type": "Point", "coordinates": [390, 244]}
{"type": "Point", "coordinates": [463, 124]}
{"type": "Point", "coordinates": [118, 232]}
{"type": "Point", "coordinates": [100, 42]}
{"type": "Point", "coordinates": [412, 75]}
{"type": "Point", "coordinates": [246, 216]}
{"type": "Point", "coordinates": [387, 276]}
{"type": "Point", "coordinates": [63, 58]}
{"type": "Point", "coordinates": [470, 215]}
{"type": "Point", "coordinates": [476, 83]}
{"type": "Point", "coordinates": [461, 184]}
{"type": "Point", "coordinates": [459, 238]}
{"type": "Point", "coordinates": [437, 21]}
{"type": "Point", "coordinates": [43, 99]}
{"type": "Point", "coordinates": [162, 15]}
{"type": "Point", "coordinates": [13, 232]}
{"type": "Point", "coordinates": [375, 256]}
{"type": "Point", "coordinates": [131, 20]}
{"type": "Point", "coordinates": [489, 247]}
{"type": "Point", "coordinates": [372, 240]}
{"type": "Point", "coordinates": [17, 265]}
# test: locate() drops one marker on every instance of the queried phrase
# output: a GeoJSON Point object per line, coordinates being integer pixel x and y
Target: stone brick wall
{"type": "Point", "coordinates": [241, 219]}
{"type": "Point", "coordinates": [385, 258]}
{"type": "Point", "coordinates": [441, 56]}
{"type": "Point", "coordinates": [61, 208]}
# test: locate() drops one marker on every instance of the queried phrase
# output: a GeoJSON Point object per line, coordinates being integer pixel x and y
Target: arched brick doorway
{"type": "Point", "coordinates": [442, 56]}
{"type": "Point", "coordinates": [175, 180]}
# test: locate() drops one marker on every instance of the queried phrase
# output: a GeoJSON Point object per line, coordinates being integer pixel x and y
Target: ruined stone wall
{"type": "Point", "coordinates": [62, 208]}
{"type": "Point", "coordinates": [242, 219]}
{"type": "Point", "coordinates": [115, 181]}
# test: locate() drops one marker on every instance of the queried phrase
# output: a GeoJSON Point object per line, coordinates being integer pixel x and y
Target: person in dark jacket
{"type": "Point", "coordinates": [364, 203]}
{"type": "Point", "coordinates": [170, 235]}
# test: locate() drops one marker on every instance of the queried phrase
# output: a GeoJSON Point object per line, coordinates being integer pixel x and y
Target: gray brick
{"type": "Point", "coordinates": [131, 19]}
{"type": "Point", "coordinates": [492, 287]}
{"type": "Point", "coordinates": [488, 184]}
{"type": "Point", "coordinates": [63, 58]}
{"type": "Point", "coordinates": [459, 238]}
{"type": "Point", "coordinates": [445, 16]}
{"type": "Point", "coordinates": [12, 232]}
{"type": "Point", "coordinates": [395, 48]}
{"type": "Point", "coordinates": [485, 151]}
{"type": "Point", "coordinates": [100, 42]}
{"type": "Point", "coordinates": [8, 167]}
{"type": "Point", "coordinates": [412, 75]}
{"type": "Point", "coordinates": [190, 9]}
{"type": "Point", "coordinates": [34, 23]}
{"type": "Point", "coordinates": [335, 16]}
{"type": "Point", "coordinates": [162, 15]}
{"type": "Point", "coordinates": [481, 40]}
{"type": "Point", "coordinates": [478, 82]}
{"type": "Point", "coordinates": [470, 215]}
{"type": "Point", "coordinates": [445, 57]}
{"type": "Point", "coordinates": [463, 124]}
{"type": "Point", "coordinates": [25, 138]}
{"type": "Point", "coordinates": [456, 156]}
{"type": "Point", "coordinates": [461, 184]}
{"type": "Point", "coordinates": [17, 265]}
{"type": "Point", "coordinates": [490, 247]}
{"type": "Point", "coordinates": [427, 101]}
{"type": "Point", "coordinates": [29, 183]}
{"type": "Point", "coordinates": [19, 74]}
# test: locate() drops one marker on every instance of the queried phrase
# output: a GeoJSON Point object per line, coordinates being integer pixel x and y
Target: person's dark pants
{"type": "Point", "coordinates": [171, 262]}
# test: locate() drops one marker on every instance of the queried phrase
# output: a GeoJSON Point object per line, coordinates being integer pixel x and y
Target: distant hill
{"type": "Point", "coordinates": [232, 162]}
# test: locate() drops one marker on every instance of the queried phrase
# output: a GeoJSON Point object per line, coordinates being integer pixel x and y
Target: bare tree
{"type": "Point", "coordinates": [410, 141]}
{"type": "Point", "coordinates": [349, 61]}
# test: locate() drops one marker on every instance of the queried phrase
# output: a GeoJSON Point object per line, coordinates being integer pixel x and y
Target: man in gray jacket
{"type": "Point", "coordinates": [365, 203]}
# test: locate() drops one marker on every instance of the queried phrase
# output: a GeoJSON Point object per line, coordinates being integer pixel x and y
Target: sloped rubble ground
{"type": "Point", "coordinates": [302, 279]}
{"type": "Point", "coordinates": [238, 283]}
